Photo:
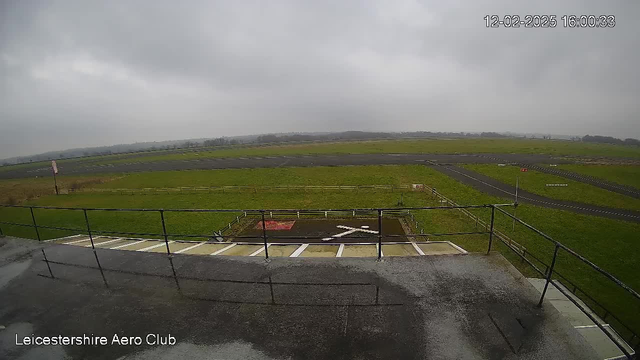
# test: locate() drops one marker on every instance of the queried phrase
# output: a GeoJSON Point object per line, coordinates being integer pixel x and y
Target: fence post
{"type": "Point", "coordinates": [164, 232]}
{"type": "Point", "coordinates": [264, 237]}
{"type": "Point", "coordinates": [379, 234]}
{"type": "Point", "coordinates": [35, 226]}
{"type": "Point", "coordinates": [47, 261]}
{"type": "Point", "coordinates": [549, 274]}
{"type": "Point", "coordinates": [493, 214]}
{"type": "Point", "coordinates": [1, 233]}
{"type": "Point", "coordinates": [86, 220]}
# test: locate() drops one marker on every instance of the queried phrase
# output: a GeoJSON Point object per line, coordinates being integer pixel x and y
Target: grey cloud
{"type": "Point", "coordinates": [83, 73]}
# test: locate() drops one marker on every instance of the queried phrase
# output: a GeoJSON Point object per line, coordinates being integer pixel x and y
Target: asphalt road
{"type": "Point", "coordinates": [494, 187]}
{"type": "Point", "coordinates": [423, 307]}
{"type": "Point", "coordinates": [81, 168]}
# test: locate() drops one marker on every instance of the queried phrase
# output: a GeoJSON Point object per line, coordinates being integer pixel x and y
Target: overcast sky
{"type": "Point", "coordinates": [90, 73]}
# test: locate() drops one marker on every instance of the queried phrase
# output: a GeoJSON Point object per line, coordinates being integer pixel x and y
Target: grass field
{"type": "Point", "coordinates": [611, 244]}
{"type": "Point", "coordinates": [621, 174]}
{"type": "Point", "coordinates": [440, 146]}
{"type": "Point", "coordinates": [452, 146]}
{"type": "Point", "coordinates": [535, 182]}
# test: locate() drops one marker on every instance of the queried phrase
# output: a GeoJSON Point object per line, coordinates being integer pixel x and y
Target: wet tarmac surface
{"type": "Point", "coordinates": [442, 307]}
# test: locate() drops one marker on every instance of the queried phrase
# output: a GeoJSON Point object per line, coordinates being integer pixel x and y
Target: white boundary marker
{"type": "Point", "coordinates": [125, 245]}
{"type": "Point", "coordinates": [105, 242]}
{"type": "Point", "coordinates": [340, 250]}
{"type": "Point", "coordinates": [223, 249]}
{"type": "Point", "coordinates": [259, 250]}
{"type": "Point", "coordinates": [154, 246]}
{"type": "Point", "coordinates": [415, 246]}
{"type": "Point", "coordinates": [189, 248]}
{"type": "Point", "coordinates": [75, 242]}
{"type": "Point", "coordinates": [299, 250]}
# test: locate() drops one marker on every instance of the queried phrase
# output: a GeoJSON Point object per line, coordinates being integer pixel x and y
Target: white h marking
{"type": "Point", "coordinates": [350, 230]}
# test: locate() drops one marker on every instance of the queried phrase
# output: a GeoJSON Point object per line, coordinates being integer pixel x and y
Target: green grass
{"type": "Point", "coordinates": [346, 175]}
{"type": "Point", "coordinates": [451, 146]}
{"type": "Point", "coordinates": [17, 190]}
{"type": "Point", "coordinates": [612, 244]}
{"type": "Point", "coordinates": [535, 182]}
{"type": "Point", "coordinates": [621, 174]}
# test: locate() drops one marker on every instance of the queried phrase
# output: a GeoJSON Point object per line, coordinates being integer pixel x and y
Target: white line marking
{"type": "Point", "coordinates": [125, 245]}
{"type": "Point", "coordinates": [75, 242]}
{"type": "Point", "coordinates": [154, 246]}
{"type": "Point", "coordinates": [189, 248]}
{"type": "Point", "coordinates": [105, 242]}
{"type": "Point", "coordinates": [589, 326]}
{"type": "Point", "coordinates": [259, 250]}
{"type": "Point", "coordinates": [64, 237]}
{"type": "Point", "coordinates": [457, 247]}
{"type": "Point", "coordinates": [415, 246]}
{"type": "Point", "coordinates": [299, 250]}
{"type": "Point", "coordinates": [223, 249]}
{"type": "Point", "coordinates": [340, 250]}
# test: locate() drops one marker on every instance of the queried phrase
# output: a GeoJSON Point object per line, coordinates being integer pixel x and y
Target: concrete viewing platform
{"type": "Point", "coordinates": [228, 307]}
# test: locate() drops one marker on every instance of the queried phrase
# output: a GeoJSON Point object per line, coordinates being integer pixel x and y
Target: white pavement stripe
{"type": "Point", "coordinates": [105, 242]}
{"type": "Point", "coordinates": [299, 250]}
{"type": "Point", "coordinates": [125, 245]}
{"type": "Point", "coordinates": [155, 246]}
{"type": "Point", "coordinates": [415, 246]}
{"type": "Point", "coordinates": [189, 248]}
{"type": "Point", "coordinates": [340, 250]}
{"type": "Point", "coordinates": [75, 242]}
{"type": "Point", "coordinates": [259, 250]}
{"type": "Point", "coordinates": [64, 238]}
{"type": "Point", "coordinates": [223, 249]}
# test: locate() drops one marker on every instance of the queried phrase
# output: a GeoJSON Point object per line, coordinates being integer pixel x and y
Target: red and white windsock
{"type": "Point", "coordinates": [54, 166]}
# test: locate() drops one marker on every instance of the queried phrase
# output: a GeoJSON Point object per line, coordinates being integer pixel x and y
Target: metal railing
{"type": "Point", "coordinates": [261, 213]}
{"type": "Point", "coordinates": [366, 212]}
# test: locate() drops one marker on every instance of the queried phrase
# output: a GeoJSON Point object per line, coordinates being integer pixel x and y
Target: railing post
{"type": "Point", "coordinates": [47, 261]}
{"type": "Point", "coordinates": [493, 214]}
{"type": "Point", "coordinates": [379, 234]}
{"type": "Point", "coordinates": [86, 220]}
{"type": "Point", "coordinates": [35, 226]}
{"type": "Point", "coordinates": [264, 237]}
{"type": "Point", "coordinates": [549, 274]}
{"type": "Point", "coordinates": [164, 232]}
{"type": "Point", "coordinates": [1, 233]}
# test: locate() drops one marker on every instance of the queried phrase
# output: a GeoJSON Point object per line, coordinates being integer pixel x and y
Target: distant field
{"type": "Point", "coordinates": [440, 146]}
{"type": "Point", "coordinates": [621, 174]}
{"type": "Point", "coordinates": [612, 244]}
{"type": "Point", "coordinates": [535, 182]}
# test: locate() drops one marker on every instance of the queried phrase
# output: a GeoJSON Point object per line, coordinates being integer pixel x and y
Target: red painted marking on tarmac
{"type": "Point", "coordinates": [276, 225]}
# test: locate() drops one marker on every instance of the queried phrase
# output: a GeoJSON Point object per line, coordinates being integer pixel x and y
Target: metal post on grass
{"type": "Point", "coordinates": [35, 226]}
{"type": "Point", "coordinates": [86, 220]}
{"type": "Point", "coordinates": [493, 214]}
{"type": "Point", "coordinates": [379, 234]}
{"type": "Point", "coordinates": [264, 237]}
{"type": "Point", "coordinates": [164, 232]}
{"type": "Point", "coordinates": [549, 274]}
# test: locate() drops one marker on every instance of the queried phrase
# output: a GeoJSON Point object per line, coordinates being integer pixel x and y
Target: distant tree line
{"type": "Point", "coordinates": [610, 140]}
